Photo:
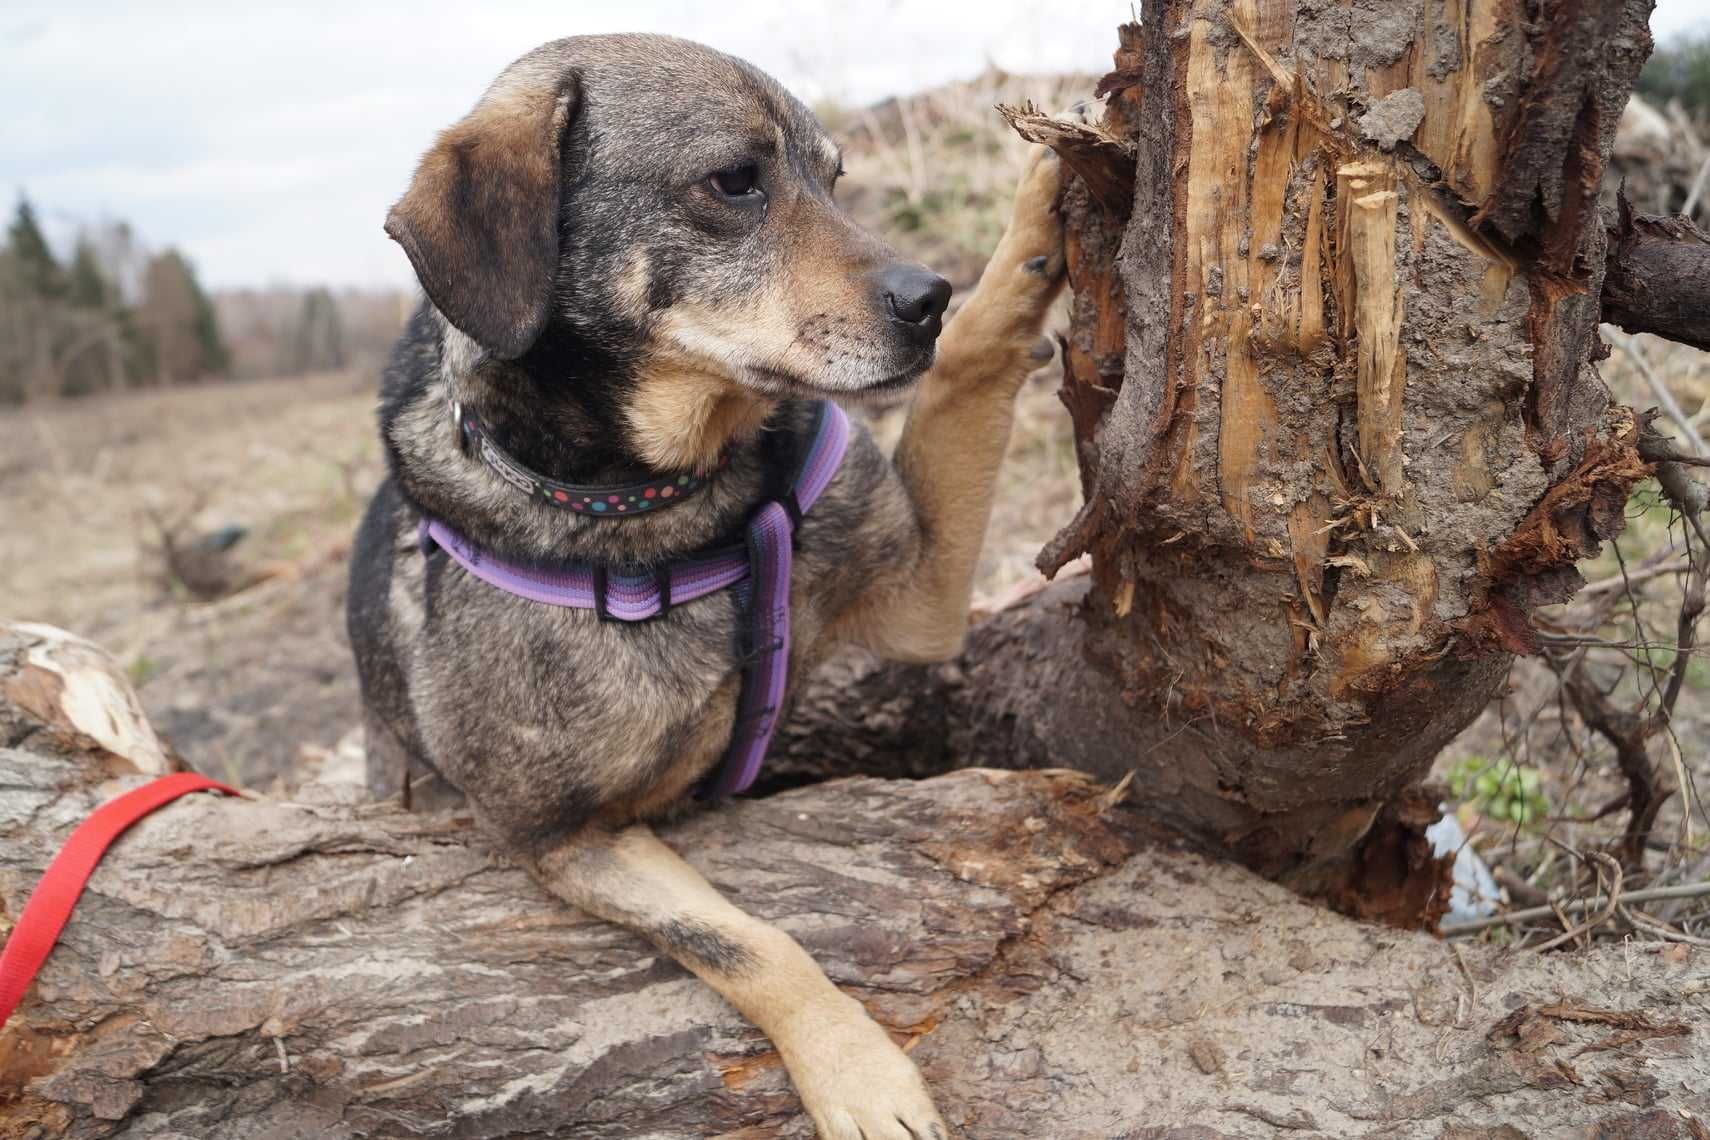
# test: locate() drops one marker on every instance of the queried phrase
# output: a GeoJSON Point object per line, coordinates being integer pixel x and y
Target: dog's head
{"type": "Point", "coordinates": [672, 205]}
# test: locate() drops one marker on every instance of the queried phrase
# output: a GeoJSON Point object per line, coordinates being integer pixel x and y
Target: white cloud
{"type": "Point", "coordinates": [268, 141]}
{"type": "Point", "coordinates": [1672, 17]}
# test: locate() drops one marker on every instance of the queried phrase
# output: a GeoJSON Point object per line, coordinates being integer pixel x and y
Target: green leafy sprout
{"type": "Point", "coordinates": [1500, 789]}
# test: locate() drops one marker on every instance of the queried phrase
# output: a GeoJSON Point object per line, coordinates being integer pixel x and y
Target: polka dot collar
{"type": "Point", "coordinates": [627, 500]}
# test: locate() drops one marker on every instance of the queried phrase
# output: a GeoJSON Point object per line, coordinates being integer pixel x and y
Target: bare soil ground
{"type": "Point", "coordinates": [243, 685]}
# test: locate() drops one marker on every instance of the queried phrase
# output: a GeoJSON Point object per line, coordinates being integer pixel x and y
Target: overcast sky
{"type": "Point", "coordinates": [268, 142]}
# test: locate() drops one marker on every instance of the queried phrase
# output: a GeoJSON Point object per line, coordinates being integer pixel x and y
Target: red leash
{"type": "Point", "coordinates": [50, 905]}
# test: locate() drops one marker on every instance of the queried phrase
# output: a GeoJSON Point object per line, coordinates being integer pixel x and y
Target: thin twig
{"type": "Point", "coordinates": [1627, 732]}
{"type": "Point", "coordinates": [1676, 457]}
{"type": "Point", "coordinates": [1530, 914]}
{"type": "Point", "coordinates": [1689, 497]}
{"type": "Point", "coordinates": [1601, 916]}
{"type": "Point", "coordinates": [1617, 582]}
{"type": "Point", "coordinates": [1697, 187]}
{"type": "Point", "coordinates": [1679, 761]}
{"type": "Point", "coordinates": [1686, 631]}
{"type": "Point", "coordinates": [1642, 921]}
{"type": "Point", "coordinates": [1567, 923]}
{"type": "Point", "coordinates": [1660, 390]}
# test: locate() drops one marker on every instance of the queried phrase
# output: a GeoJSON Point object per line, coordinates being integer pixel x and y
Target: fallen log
{"type": "Point", "coordinates": [335, 969]}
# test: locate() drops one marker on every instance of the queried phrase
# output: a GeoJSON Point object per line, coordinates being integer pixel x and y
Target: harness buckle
{"type": "Point", "coordinates": [662, 578]}
{"type": "Point", "coordinates": [600, 609]}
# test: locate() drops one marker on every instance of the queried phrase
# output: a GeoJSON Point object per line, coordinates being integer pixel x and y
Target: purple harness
{"type": "Point", "coordinates": [759, 571]}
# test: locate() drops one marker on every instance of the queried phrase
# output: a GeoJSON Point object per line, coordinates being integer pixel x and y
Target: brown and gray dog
{"type": "Point", "coordinates": [634, 264]}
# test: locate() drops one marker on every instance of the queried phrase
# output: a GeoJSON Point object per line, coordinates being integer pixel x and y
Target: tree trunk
{"type": "Point", "coordinates": [244, 969]}
{"type": "Point", "coordinates": [1330, 373]}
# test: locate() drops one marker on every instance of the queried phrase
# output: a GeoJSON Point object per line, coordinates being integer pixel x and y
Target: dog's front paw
{"type": "Point", "coordinates": [1034, 240]}
{"type": "Point", "coordinates": [993, 339]}
{"type": "Point", "coordinates": [857, 1085]}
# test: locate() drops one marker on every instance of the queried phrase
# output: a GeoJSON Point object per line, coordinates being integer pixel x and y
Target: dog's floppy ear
{"type": "Point", "coordinates": [480, 219]}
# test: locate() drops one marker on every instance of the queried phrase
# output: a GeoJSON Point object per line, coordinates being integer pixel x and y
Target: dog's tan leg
{"type": "Point", "coordinates": [855, 1083]}
{"type": "Point", "coordinates": [958, 427]}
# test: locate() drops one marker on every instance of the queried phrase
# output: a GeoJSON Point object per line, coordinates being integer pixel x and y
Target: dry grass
{"type": "Point", "coordinates": [935, 173]}
{"type": "Point", "coordinates": [289, 460]}
{"type": "Point", "coordinates": [247, 687]}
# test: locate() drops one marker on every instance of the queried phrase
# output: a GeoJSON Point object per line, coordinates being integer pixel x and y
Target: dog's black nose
{"type": "Point", "coordinates": [916, 299]}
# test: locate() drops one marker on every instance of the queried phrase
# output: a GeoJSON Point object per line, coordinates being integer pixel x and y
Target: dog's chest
{"type": "Point", "coordinates": [567, 706]}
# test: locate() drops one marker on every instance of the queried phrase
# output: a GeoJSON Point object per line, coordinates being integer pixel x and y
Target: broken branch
{"type": "Point", "coordinates": [1658, 278]}
{"type": "Point", "coordinates": [1104, 161]}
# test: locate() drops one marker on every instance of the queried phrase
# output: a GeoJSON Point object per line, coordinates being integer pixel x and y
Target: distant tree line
{"type": "Point", "coordinates": [114, 315]}
{"type": "Point", "coordinates": [287, 331]}
{"type": "Point", "coordinates": [1680, 69]}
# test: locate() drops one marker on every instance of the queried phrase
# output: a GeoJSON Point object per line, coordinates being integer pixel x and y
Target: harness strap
{"type": "Point", "coordinates": [628, 597]}
{"type": "Point", "coordinates": [759, 569]}
{"type": "Point", "coordinates": [50, 905]}
{"type": "Point", "coordinates": [766, 668]}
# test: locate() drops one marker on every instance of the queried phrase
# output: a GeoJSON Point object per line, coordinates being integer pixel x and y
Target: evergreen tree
{"type": "Point", "coordinates": [99, 353]}
{"type": "Point", "coordinates": [215, 358]}
{"type": "Point", "coordinates": [35, 261]}
{"type": "Point", "coordinates": [16, 328]}
{"type": "Point", "coordinates": [68, 330]}
{"type": "Point", "coordinates": [88, 286]}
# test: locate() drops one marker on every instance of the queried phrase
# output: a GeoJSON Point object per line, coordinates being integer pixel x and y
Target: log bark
{"type": "Point", "coordinates": [1331, 377]}
{"type": "Point", "coordinates": [252, 968]}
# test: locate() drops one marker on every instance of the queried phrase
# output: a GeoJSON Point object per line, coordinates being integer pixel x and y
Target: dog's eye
{"type": "Point", "coordinates": [737, 181]}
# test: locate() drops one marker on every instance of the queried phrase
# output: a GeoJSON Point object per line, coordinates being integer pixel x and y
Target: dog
{"type": "Point", "coordinates": [634, 269]}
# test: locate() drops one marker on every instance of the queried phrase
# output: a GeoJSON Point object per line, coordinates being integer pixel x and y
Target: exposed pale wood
{"type": "Point", "coordinates": [1458, 133]}
{"type": "Point", "coordinates": [1366, 193]}
{"type": "Point", "coordinates": [1309, 540]}
{"type": "Point", "coordinates": [69, 683]}
{"type": "Point", "coordinates": [1309, 334]}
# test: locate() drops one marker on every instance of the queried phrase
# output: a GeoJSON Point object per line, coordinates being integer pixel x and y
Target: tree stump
{"type": "Point", "coordinates": [1338, 270]}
